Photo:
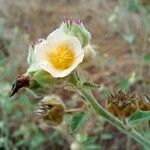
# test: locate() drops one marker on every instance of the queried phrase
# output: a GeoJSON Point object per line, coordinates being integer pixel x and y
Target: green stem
{"type": "Point", "coordinates": [87, 94]}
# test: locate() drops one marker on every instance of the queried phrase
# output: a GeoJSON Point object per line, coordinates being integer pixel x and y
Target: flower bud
{"type": "Point", "coordinates": [41, 82]}
{"type": "Point", "coordinates": [89, 53]}
{"type": "Point", "coordinates": [75, 28]}
{"type": "Point", "coordinates": [51, 110]}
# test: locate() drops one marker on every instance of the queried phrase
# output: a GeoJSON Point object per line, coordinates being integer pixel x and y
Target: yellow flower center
{"type": "Point", "coordinates": [63, 57]}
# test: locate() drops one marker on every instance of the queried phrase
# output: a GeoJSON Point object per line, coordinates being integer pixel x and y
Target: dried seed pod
{"type": "Point", "coordinates": [52, 110]}
{"type": "Point", "coordinates": [122, 104]}
{"type": "Point", "coordinates": [144, 103]}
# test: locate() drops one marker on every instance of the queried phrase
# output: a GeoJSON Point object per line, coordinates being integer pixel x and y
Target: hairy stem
{"type": "Point", "coordinates": [87, 94]}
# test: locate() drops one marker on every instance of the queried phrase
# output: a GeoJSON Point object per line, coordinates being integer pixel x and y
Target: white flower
{"type": "Point", "coordinates": [59, 54]}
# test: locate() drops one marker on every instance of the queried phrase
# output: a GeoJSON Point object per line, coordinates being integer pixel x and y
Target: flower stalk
{"type": "Point", "coordinates": [87, 94]}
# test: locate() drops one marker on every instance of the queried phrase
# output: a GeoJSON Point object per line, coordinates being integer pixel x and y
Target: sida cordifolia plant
{"type": "Point", "coordinates": [58, 61]}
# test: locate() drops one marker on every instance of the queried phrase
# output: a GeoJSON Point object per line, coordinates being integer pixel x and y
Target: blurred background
{"type": "Point", "coordinates": [121, 37]}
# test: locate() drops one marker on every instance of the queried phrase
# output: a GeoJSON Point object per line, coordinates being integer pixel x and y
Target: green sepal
{"type": "Point", "coordinates": [74, 79]}
{"type": "Point", "coordinates": [41, 82]}
{"type": "Point", "coordinates": [77, 30]}
{"type": "Point", "coordinates": [33, 69]}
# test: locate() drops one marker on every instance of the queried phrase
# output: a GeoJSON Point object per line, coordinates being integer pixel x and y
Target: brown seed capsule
{"type": "Point", "coordinates": [52, 110]}
{"type": "Point", "coordinates": [121, 104]}
{"type": "Point", "coordinates": [144, 104]}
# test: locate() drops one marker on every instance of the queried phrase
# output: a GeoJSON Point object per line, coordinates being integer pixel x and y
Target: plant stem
{"type": "Point", "coordinates": [87, 94]}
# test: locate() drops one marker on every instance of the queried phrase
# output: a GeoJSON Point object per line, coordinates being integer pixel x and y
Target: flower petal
{"type": "Point", "coordinates": [39, 51]}
{"type": "Point", "coordinates": [56, 36]}
{"type": "Point", "coordinates": [79, 54]}
{"type": "Point", "coordinates": [51, 44]}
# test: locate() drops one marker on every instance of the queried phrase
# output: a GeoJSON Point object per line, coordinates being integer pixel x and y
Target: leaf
{"type": "Point", "coordinates": [93, 147]}
{"type": "Point", "coordinates": [37, 140]}
{"type": "Point", "coordinates": [90, 144]}
{"type": "Point", "coordinates": [90, 85]}
{"type": "Point", "coordinates": [78, 120]}
{"type": "Point", "coordinates": [124, 84]}
{"type": "Point", "coordinates": [133, 5]}
{"type": "Point", "coordinates": [147, 58]}
{"type": "Point", "coordinates": [106, 136]}
{"type": "Point", "coordinates": [21, 143]}
{"type": "Point", "coordinates": [81, 137]}
{"type": "Point", "coordinates": [139, 116]}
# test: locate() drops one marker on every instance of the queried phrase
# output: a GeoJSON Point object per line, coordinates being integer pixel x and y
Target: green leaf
{"type": "Point", "coordinates": [37, 140]}
{"type": "Point", "coordinates": [139, 116]}
{"type": "Point", "coordinates": [78, 120]}
{"type": "Point", "coordinates": [93, 147]}
{"type": "Point", "coordinates": [90, 85]}
{"type": "Point", "coordinates": [133, 5]}
{"type": "Point", "coordinates": [81, 137]}
{"type": "Point", "coordinates": [21, 142]}
{"type": "Point", "coordinates": [147, 58]}
{"type": "Point", "coordinates": [106, 136]}
{"type": "Point", "coordinates": [124, 84]}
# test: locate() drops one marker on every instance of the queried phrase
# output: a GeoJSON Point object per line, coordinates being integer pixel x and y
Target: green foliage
{"type": "Point", "coordinates": [41, 82]}
{"type": "Point", "coordinates": [124, 84]}
{"type": "Point", "coordinates": [90, 85]}
{"type": "Point", "coordinates": [106, 136]}
{"type": "Point", "coordinates": [19, 127]}
{"type": "Point", "coordinates": [147, 58]}
{"type": "Point", "coordinates": [18, 122]}
{"type": "Point", "coordinates": [133, 5]}
{"type": "Point", "coordinates": [86, 142]}
{"type": "Point", "coordinates": [79, 31]}
{"type": "Point", "coordinates": [139, 116]}
{"type": "Point", "coordinates": [43, 78]}
{"type": "Point", "coordinates": [78, 120]}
